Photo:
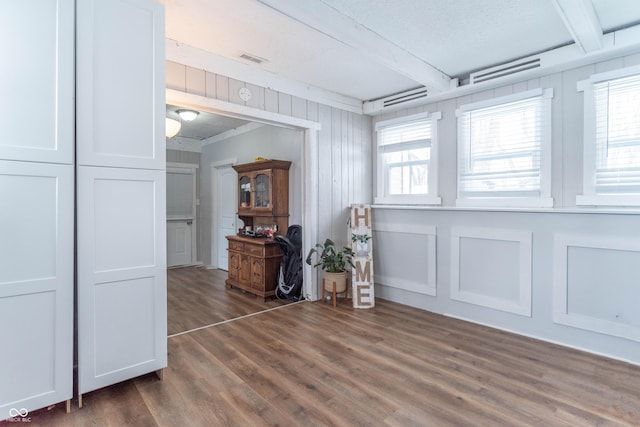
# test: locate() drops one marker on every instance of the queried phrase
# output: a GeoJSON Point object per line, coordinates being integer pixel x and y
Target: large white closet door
{"type": "Point", "coordinates": [122, 313]}
{"type": "Point", "coordinates": [121, 191]}
{"type": "Point", "coordinates": [36, 203]}
{"type": "Point", "coordinates": [36, 285]}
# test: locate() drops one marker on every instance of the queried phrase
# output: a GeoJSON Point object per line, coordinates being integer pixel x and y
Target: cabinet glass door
{"type": "Point", "coordinates": [244, 197]}
{"type": "Point", "coordinates": [262, 191]}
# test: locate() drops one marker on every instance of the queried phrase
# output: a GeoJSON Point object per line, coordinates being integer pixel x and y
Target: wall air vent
{"type": "Point", "coordinates": [504, 70]}
{"type": "Point", "coordinates": [395, 102]}
{"type": "Point", "coordinates": [252, 58]}
{"type": "Point", "coordinates": [403, 97]}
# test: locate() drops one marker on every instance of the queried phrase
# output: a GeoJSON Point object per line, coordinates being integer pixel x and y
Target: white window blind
{"type": "Point", "coordinates": [406, 160]}
{"type": "Point", "coordinates": [617, 104]}
{"type": "Point", "coordinates": [503, 149]}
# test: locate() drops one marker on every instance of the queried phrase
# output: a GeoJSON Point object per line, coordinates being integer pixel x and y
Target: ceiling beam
{"type": "Point", "coordinates": [332, 23]}
{"type": "Point", "coordinates": [580, 18]}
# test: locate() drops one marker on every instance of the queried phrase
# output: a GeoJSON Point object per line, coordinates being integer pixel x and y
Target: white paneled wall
{"type": "Point", "coordinates": [565, 275]}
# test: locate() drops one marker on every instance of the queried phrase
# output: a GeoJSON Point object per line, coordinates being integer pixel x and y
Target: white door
{"type": "Point", "coordinates": [181, 186]}
{"type": "Point", "coordinates": [226, 197]}
{"type": "Point", "coordinates": [36, 204]}
{"type": "Point", "coordinates": [178, 242]}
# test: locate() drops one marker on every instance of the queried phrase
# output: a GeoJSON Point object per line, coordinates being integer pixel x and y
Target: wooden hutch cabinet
{"type": "Point", "coordinates": [263, 203]}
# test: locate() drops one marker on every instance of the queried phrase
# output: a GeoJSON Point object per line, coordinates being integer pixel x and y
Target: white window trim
{"type": "Point", "coordinates": [589, 197]}
{"type": "Point", "coordinates": [408, 199]}
{"type": "Point", "coordinates": [545, 200]}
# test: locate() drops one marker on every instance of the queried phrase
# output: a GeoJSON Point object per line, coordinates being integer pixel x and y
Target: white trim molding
{"type": "Point", "coordinates": [561, 281]}
{"type": "Point", "coordinates": [524, 240]}
{"type": "Point", "coordinates": [428, 287]}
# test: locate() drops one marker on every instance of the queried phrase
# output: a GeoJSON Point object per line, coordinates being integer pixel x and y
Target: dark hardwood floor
{"type": "Point", "coordinates": [308, 364]}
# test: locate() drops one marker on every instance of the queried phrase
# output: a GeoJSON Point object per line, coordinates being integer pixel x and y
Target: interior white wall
{"type": "Point", "coordinates": [267, 141]}
{"type": "Point", "coordinates": [549, 263]}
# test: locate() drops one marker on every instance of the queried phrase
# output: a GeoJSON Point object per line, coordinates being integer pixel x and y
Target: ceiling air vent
{"type": "Point", "coordinates": [504, 70]}
{"type": "Point", "coordinates": [404, 97]}
{"type": "Point", "coordinates": [252, 58]}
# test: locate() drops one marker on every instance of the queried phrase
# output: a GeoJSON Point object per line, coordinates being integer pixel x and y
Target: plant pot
{"type": "Point", "coordinates": [340, 279]}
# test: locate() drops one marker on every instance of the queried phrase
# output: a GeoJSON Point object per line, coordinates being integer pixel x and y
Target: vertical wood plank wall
{"type": "Point", "coordinates": [344, 153]}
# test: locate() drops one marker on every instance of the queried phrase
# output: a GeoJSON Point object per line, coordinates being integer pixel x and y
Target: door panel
{"type": "Point", "coordinates": [120, 81]}
{"type": "Point", "coordinates": [37, 80]}
{"type": "Point", "coordinates": [36, 284]}
{"type": "Point", "coordinates": [178, 243]}
{"type": "Point", "coordinates": [122, 330]}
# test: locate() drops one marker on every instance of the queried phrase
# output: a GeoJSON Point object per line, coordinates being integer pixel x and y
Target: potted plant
{"type": "Point", "coordinates": [333, 262]}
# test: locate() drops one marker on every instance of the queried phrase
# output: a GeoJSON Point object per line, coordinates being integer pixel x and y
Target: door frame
{"type": "Point", "coordinates": [192, 169]}
{"type": "Point", "coordinates": [309, 166]}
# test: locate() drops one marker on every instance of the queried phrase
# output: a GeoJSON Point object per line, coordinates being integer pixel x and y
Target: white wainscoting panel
{"type": "Point", "coordinates": [411, 269]}
{"type": "Point", "coordinates": [492, 268]}
{"type": "Point", "coordinates": [596, 284]}
{"type": "Point", "coordinates": [122, 318]}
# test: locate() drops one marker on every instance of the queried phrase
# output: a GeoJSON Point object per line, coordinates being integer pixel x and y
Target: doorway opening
{"type": "Point", "coordinates": [215, 224]}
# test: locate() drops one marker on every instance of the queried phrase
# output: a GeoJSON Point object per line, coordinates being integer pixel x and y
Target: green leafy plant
{"type": "Point", "coordinates": [329, 258]}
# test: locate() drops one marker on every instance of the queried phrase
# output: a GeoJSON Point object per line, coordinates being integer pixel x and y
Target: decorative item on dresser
{"type": "Point", "coordinates": [263, 207]}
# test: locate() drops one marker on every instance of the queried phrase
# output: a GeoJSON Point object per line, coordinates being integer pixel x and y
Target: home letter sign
{"type": "Point", "coordinates": [361, 244]}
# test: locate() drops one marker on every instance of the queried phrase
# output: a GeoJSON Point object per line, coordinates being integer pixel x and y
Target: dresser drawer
{"type": "Point", "coordinates": [236, 246]}
{"type": "Point", "coordinates": [254, 250]}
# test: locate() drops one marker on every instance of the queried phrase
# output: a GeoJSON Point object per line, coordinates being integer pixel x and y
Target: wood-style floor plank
{"type": "Point", "coordinates": [309, 364]}
{"type": "Point", "coordinates": [196, 297]}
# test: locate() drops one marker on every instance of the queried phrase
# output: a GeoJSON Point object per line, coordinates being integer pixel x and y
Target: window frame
{"type": "Point", "coordinates": [544, 199]}
{"type": "Point", "coordinates": [589, 196]}
{"type": "Point", "coordinates": [431, 198]}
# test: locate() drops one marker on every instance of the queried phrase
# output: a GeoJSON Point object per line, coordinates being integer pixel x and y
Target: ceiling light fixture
{"type": "Point", "coordinates": [187, 115]}
{"type": "Point", "coordinates": [172, 127]}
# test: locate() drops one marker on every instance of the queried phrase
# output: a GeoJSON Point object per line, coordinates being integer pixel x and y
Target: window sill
{"type": "Point", "coordinates": [570, 210]}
